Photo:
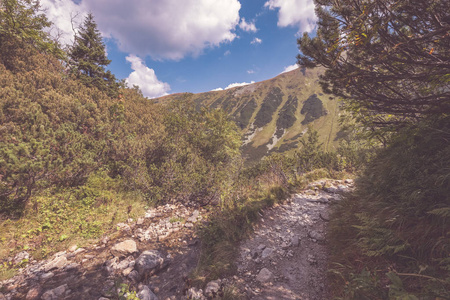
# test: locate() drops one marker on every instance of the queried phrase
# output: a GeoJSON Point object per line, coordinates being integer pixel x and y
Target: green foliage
{"type": "Point", "coordinates": [22, 25]}
{"type": "Point", "coordinates": [88, 59]}
{"type": "Point", "coordinates": [398, 215]}
{"type": "Point", "coordinates": [196, 157]}
{"type": "Point", "coordinates": [387, 59]}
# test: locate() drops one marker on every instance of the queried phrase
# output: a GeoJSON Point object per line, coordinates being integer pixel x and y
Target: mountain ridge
{"type": "Point", "coordinates": [274, 114]}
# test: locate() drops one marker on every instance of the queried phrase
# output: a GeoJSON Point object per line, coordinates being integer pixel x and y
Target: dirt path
{"type": "Point", "coordinates": [286, 257]}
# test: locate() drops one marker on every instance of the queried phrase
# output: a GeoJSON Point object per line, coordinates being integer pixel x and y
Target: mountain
{"type": "Point", "coordinates": [274, 114]}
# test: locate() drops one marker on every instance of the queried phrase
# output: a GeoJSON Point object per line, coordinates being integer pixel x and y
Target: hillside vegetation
{"type": "Point", "coordinates": [274, 115]}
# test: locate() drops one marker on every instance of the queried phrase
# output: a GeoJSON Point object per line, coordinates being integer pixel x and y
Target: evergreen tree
{"type": "Point", "coordinates": [22, 27]}
{"type": "Point", "coordinates": [389, 59]}
{"type": "Point", "coordinates": [88, 59]}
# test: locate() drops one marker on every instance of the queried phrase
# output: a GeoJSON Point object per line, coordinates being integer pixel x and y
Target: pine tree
{"type": "Point", "coordinates": [88, 59]}
{"type": "Point", "coordinates": [389, 59]}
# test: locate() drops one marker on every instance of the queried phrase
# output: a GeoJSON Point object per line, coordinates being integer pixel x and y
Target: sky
{"type": "Point", "coordinates": [175, 46]}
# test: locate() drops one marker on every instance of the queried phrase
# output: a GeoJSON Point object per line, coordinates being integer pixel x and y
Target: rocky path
{"type": "Point", "coordinates": [284, 259]}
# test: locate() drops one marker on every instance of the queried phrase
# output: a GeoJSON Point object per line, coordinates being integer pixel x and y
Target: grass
{"type": "Point", "coordinates": [66, 218]}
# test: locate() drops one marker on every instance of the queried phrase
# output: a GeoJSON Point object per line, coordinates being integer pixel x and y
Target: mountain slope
{"type": "Point", "coordinates": [274, 114]}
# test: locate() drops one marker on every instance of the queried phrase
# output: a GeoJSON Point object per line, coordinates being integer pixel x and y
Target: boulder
{"type": "Point", "coordinates": [264, 275]}
{"type": "Point", "coordinates": [124, 248]}
{"type": "Point", "coordinates": [57, 263]}
{"type": "Point", "coordinates": [149, 261]}
{"type": "Point", "coordinates": [146, 294]}
{"type": "Point", "coordinates": [56, 293]}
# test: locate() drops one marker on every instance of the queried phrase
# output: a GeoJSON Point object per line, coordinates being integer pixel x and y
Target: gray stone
{"type": "Point", "coordinates": [134, 276]}
{"type": "Point", "coordinates": [32, 294]}
{"type": "Point", "coordinates": [140, 221]}
{"type": "Point", "coordinates": [56, 293]}
{"type": "Point", "coordinates": [47, 275]}
{"type": "Point", "coordinates": [21, 256]}
{"type": "Point", "coordinates": [316, 235]}
{"type": "Point", "coordinates": [266, 253]}
{"type": "Point", "coordinates": [193, 293]}
{"type": "Point", "coordinates": [212, 288]}
{"type": "Point", "coordinates": [124, 248]}
{"type": "Point", "coordinates": [188, 225]}
{"type": "Point", "coordinates": [57, 263]}
{"type": "Point", "coordinates": [193, 218]}
{"type": "Point", "coordinates": [325, 216]}
{"type": "Point", "coordinates": [295, 241]}
{"type": "Point", "coordinates": [103, 298]}
{"type": "Point", "coordinates": [2, 297]}
{"type": "Point", "coordinates": [146, 294]}
{"type": "Point", "coordinates": [264, 275]}
{"type": "Point", "coordinates": [149, 261]}
{"type": "Point", "coordinates": [73, 248]}
{"type": "Point", "coordinates": [124, 227]}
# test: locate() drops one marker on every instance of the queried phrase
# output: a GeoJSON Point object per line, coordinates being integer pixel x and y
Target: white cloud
{"type": "Point", "coordinates": [232, 85]}
{"type": "Point", "coordinates": [163, 29]}
{"type": "Point", "coordinates": [250, 71]}
{"type": "Point", "coordinates": [228, 52]}
{"type": "Point", "coordinates": [290, 68]}
{"type": "Point", "coordinates": [66, 16]}
{"type": "Point", "coordinates": [249, 27]}
{"type": "Point", "coordinates": [145, 78]}
{"type": "Point", "coordinates": [294, 13]}
{"type": "Point", "coordinates": [256, 41]}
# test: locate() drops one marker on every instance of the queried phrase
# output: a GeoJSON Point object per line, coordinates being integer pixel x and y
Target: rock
{"type": "Point", "coordinates": [140, 221]}
{"type": "Point", "coordinates": [193, 293]}
{"type": "Point", "coordinates": [188, 225]}
{"type": "Point", "coordinates": [310, 192]}
{"type": "Point", "coordinates": [21, 256]}
{"type": "Point", "coordinates": [128, 262]}
{"type": "Point", "coordinates": [103, 298]}
{"type": "Point", "coordinates": [134, 276]}
{"type": "Point", "coordinates": [311, 259]}
{"type": "Point", "coordinates": [73, 248]}
{"type": "Point", "coordinates": [47, 275]}
{"type": "Point", "coordinates": [261, 247]}
{"type": "Point", "coordinates": [325, 216]}
{"type": "Point", "coordinates": [331, 190]}
{"type": "Point", "coordinates": [150, 214]}
{"type": "Point", "coordinates": [56, 293]}
{"type": "Point", "coordinates": [194, 217]}
{"type": "Point", "coordinates": [295, 241]}
{"type": "Point", "coordinates": [149, 261]}
{"type": "Point", "coordinates": [105, 240]}
{"type": "Point", "coordinates": [124, 248]}
{"type": "Point", "coordinates": [146, 294]}
{"type": "Point", "coordinates": [2, 297]}
{"type": "Point", "coordinates": [124, 227]}
{"type": "Point", "coordinates": [212, 288]}
{"type": "Point", "coordinates": [32, 294]}
{"type": "Point", "coordinates": [266, 253]}
{"type": "Point", "coordinates": [57, 263]}
{"type": "Point", "coordinates": [264, 275]}
{"type": "Point", "coordinates": [316, 235]}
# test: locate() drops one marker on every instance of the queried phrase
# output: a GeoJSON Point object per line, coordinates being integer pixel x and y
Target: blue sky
{"type": "Point", "coordinates": [173, 46]}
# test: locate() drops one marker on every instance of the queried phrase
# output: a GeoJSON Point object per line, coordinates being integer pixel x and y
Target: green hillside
{"type": "Point", "coordinates": [275, 114]}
